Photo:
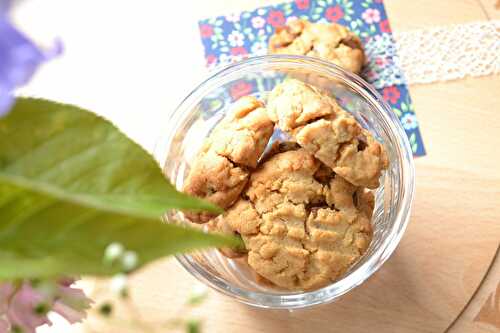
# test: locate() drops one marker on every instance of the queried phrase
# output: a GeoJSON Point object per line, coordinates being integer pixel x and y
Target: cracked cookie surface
{"type": "Point", "coordinates": [302, 225]}
{"type": "Point", "coordinates": [317, 123]}
{"type": "Point", "coordinates": [331, 42]}
{"type": "Point", "coordinates": [220, 171]}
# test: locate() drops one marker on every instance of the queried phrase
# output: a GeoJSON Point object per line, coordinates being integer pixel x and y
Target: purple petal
{"type": "Point", "coordinates": [4, 326]}
{"type": "Point", "coordinates": [6, 290]}
{"type": "Point", "coordinates": [73, 297]}
{"type": "Point", "coordinates": [70, 314]}
{"type": "Point", "coordinates": [19, 58]}
{"type": "Point", "coordinates": [21, 311]}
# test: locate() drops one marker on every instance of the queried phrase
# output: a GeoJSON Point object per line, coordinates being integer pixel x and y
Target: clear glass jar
{"type": "Point", "coordinates": [203, 108]}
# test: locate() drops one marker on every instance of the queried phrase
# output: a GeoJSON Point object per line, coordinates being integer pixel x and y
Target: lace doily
{"type": "Point", "coordinates": [450, 53]}
{"type": "Point", "coordinates": [383, 67]}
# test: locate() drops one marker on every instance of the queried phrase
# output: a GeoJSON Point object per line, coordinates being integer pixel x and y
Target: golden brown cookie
{"type": "Point", "coordinates": [216, 179]}
{"type": "Point", "coordinates": [302, 225]}
{"type": "Point", "coordinates": [317, 123]}
{"type": "Point", "coordinates": [287, 176]}
{"type": "Point", "coordinates": [221, 169]}
{"type": "Point", "coordinates": [331, 42]}
{"type": "Point", "coordinates": [244, 133]}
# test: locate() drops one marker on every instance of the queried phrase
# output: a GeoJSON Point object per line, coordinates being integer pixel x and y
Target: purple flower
{"type": "Point", "coordinates": [19, 58]}
{"type": "Point", "coordinates": [25, 306]}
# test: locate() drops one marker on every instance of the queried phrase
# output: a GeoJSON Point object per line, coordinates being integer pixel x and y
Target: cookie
{"type": "Point", "coordinates": [331, 42]}
{"type": "Point", "coordinates": [215, 179]}
{"type": "Point", "coordinates": [287, 176]}
{"type": "Point", "coordinates": [244, 133]}
{"type": "Point", "coordinates": [316, 122]}
{"type": "Point", "coordinates": [303, 226]}
{"type": "Point", "coordinates": [220, 171]}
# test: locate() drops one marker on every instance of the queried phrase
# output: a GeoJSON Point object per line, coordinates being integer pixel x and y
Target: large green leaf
{"type": "Point", "coordinates": [67, 151]}
{"type": "Point", "coordinates": [71, 184]}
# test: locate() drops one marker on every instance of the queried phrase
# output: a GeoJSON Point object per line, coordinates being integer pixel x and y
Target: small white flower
{"type": "Point", "coordinates": [113, 251]}
{"type": "Point", "coordinates": [234, 17]}
{"type": "Point", "coordinates": [129, 260]}
{"type": "Point", "coordinates": [118, 284]}
{"type": "Point", "coordinates": [198, 293]}
{"type": "Point", "coordinates": [259, 48]}
{"type": "Point", "coordinates": [409, 121]}
{"type": "Point", "coordinates": [236, 38]}
{"type": "Point", "coordinates": [258, 22]}
{"type": "Point", "coordinates": [198, 290]}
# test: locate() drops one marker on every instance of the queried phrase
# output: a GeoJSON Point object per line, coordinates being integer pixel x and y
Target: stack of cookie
{"type": "Point", "coordinates": [302, 208]}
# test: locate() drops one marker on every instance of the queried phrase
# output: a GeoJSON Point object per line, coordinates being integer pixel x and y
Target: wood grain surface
{"type": "Point", "coordinates": [454, 231]}
{"type": "Point", "coordinates": [443, 276]}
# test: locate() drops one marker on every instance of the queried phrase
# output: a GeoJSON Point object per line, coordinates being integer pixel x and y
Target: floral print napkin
{"type": "Point", "coordinates": [239, 35]}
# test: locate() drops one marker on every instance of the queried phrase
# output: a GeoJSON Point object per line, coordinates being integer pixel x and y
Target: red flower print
{"type": "Point", "coordinates": [334, 13]}
{"type": "Point", "coordinates": [206, 31]}
{"type": "Point", "coordinates": [391, 94]}
{"type": "Point", "coordinates": [240, 89]}
{"type": "Point", "coordinates": [302, 4]}
{"type": "Point", "coordinates": [379, 1]}
{"type": "Point", "coordinates": [210, 59]}
{"type": "Point", "coordinates": [240, 50]}
{"type": "Point", "coordinates": [276, 18]}
{"type": "Point", "coordinates": [384, 26]}
{"type": "Point", "coordinates": [381, 61]}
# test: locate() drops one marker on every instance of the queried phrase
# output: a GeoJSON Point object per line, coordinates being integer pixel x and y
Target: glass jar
{"type": "Point", "coordinates": [204, 107]}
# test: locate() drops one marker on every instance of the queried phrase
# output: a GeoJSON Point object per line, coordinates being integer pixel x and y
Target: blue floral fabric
{"type": "Point", "coordinates": [239, 35]}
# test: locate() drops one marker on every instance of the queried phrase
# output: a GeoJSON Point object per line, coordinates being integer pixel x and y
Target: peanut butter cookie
{"type": "Point", "coordinates": [315, 120]}
{"type": "Point", "coordinates": [221, 169]}
{"type": "Point", "coordinates": [303, 226]}
{"type": "Point", "coordinates": [331, 42]}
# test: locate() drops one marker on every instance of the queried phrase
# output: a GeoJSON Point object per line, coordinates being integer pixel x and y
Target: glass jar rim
{"type": "Point", "coordinates": [360, 274]}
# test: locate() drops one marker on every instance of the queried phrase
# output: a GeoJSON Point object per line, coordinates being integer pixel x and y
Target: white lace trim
{"type": "Point", "coordinates": [383, 67]}
{"type": "Point", "coordinates": [450, 53]}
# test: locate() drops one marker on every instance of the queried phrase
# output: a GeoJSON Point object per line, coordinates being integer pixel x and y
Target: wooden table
{"type": "Point", "coordinates": [445, 274]}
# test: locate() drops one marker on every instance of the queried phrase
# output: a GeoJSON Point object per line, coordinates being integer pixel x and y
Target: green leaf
{"type": "Point", "coordinates": [413, 138]}
{"type": "Point", "coordinates": [71, 184]}
{"type": "Point", "coordinates": [404, 107]}
{"type": "Point", "coordinates": [397, 112]}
